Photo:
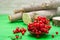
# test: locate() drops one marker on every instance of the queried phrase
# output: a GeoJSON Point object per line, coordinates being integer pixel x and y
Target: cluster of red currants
{"type": "Point", "coordinates": [40, 26]}
{"type": "Point", "coordinates": [18, 30]}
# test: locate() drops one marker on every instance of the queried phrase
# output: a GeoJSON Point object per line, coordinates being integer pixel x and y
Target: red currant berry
{"type": "Point", "coordinates": [47, 22]}
{"type": "Point", "coordinates": [33, 31]}
{"type": "Point", "coordinates": [17, 37]}
{"type": "Point", "coordinates": [56, 32]}
{"type": "Point", "coordinates": [24, 29]}
{"type": "Point", "coordinates": [35, 21]}
{"type": "Point", "coordinates": [46, 27]}
{"type": "Point", "coordinates": [17, 31]}
{"type": "Point", "coordinates": [35, 24]}
{"type": "Point", "coordinates": [43, 20]}
{"type": "Point", "coordinates": [30, 25]}
{"type": "Point", "coordinates": [52, 36]}
{"type": "Point", "coordinates": [49, 26]}
{"type": "Point", "coordinates": [23, 32]}
{"type": "Point", "coordinates": [29, 29]}
{"type": "Point", "coordinates": [40, 22]}
{"type": "Point", "coordinates": [14, 31]}
{"type": "Point", "coordinates": [42, 29]}
{"type": "Point", "coordinates": [41, 25]}
{"type": "Point", "coordinates": [17, 28]}
{"type": "Point", "coordinates": [45, 30]}
{"type": "Point", "coordinates": [39, 18]}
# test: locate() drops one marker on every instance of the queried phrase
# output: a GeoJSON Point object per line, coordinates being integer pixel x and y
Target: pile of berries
{"type": "Point", "coordinates": [41, 25]}
{"type": "Point", "coordinates": [18, 30]}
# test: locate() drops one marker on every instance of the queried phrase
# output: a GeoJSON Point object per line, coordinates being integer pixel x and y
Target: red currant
{"type": "Point", "coordinates": [23, 32]}
{"type": "Point", "coordinates": [46, 27]}
{"type": "Point", "coordinates": [14, 31]}
{"type": "Point", "coordinates": [49, 26]}
{"type": "Point", "coordinates": [24, 29]}
{"type": "Point", "coordinates": [29, 29]}
{"type": "Point", "coordinates": [45, 30]}
{"type": "Point", "coordinates": [39, 18]}
{"type": "Point", "coordinates": [17, 37]}
{"type": "Point", "coordinates": [35, 24]}
{"type": "Point", "coordinates": [17, 28]}
{"type": "Point", "coordinates": [56, 32]}
{"type": "Point", "coordinates": [40, 22]}
{"type": "Point", "coordinates": [43, 20]}
{"type": "Point", "coordinates": [36, 32]}
{"type": "Point", "coordinates": [52, 36]}
{"type": "Point", "coordinates": [33, 30]}
{"type": "Point", "coordinates": [30, 25]}
{"type": "Point", "coordinates": [47, 22]}
{"type": "Point", "coordinates": [35, 21]}
{"type": "Point", "coordinates": [41, 25]}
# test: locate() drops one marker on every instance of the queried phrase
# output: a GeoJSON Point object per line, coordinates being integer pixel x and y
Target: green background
{"type": "Point", "coordinates": [6, 30]}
